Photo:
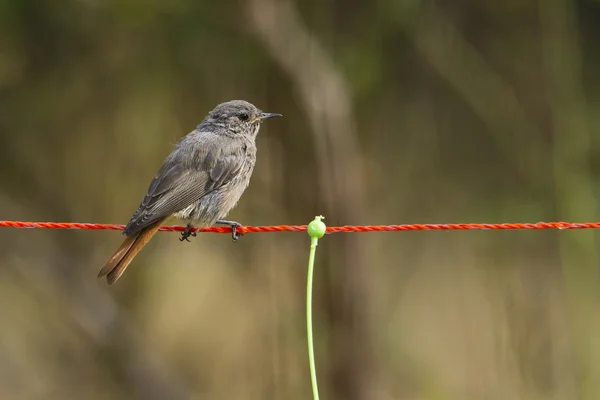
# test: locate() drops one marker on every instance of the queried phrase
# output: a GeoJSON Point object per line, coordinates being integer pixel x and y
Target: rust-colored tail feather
{"type": "Point", "coordinates": [132, 245]}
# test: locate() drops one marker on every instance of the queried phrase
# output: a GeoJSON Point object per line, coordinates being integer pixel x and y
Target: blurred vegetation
{"type": "Point", "coordinates": [394, 111]}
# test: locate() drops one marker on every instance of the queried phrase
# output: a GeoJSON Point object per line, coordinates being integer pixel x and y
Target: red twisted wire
{"type": "Point", "coordinates": [330, 229]}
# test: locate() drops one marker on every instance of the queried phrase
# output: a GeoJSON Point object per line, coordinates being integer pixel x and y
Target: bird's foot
{"type": "Point", "coordinates": [235, 235]}
{"type": "Point", "coordinates": [187, 233]}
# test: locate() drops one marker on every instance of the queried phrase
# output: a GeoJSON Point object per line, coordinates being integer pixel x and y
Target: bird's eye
{"type": "Point", "coordinates": [244, 117]}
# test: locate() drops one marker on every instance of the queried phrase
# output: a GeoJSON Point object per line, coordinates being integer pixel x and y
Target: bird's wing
{"type": "Point", "coordinates": [180, 183]}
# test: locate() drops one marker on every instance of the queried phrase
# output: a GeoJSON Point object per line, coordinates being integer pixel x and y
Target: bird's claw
{"type": "Point", "coordinates": [235, 235]}
{"type": "Point", "coordinates": [187, 233]}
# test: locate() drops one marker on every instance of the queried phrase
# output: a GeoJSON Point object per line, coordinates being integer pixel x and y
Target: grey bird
{"type": "Point", "coordinates": [199, 182]}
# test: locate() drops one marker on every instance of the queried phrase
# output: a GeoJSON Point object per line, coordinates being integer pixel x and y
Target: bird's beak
{"type": "Point", "coordinates": [265, 116]}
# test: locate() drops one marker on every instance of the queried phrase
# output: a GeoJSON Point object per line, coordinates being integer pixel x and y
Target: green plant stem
{"type": "Point", "coordinates": [311, 352]}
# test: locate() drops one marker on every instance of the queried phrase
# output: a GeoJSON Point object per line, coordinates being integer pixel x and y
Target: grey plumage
{"type": "Point", "coordinates": [204, 176]}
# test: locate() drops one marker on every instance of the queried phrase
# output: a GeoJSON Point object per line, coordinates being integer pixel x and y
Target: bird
{"type": "Point", "coordinates": [200, 181]}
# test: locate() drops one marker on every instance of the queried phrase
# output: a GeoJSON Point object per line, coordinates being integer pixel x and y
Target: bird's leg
{"type": "Point", "coordinates": [187, 233]}
{"type": "Point", "coordinates": [235, 235]}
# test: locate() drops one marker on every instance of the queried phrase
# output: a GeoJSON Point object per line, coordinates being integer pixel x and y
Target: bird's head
{"type": "Point", "coordinates": [239, 116]}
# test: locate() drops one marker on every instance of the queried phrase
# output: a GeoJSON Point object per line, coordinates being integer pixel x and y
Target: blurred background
{"type": "Point", "coordinates": [395, 111]}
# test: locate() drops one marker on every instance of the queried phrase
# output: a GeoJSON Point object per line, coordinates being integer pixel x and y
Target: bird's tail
{"type": "Point", "coordinates": [132, 245]}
